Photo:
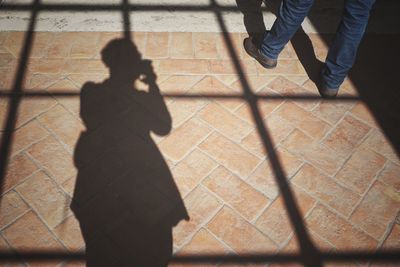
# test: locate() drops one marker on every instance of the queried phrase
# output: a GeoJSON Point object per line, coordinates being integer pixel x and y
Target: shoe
{"type": "Point", "coordinates": [255, 53]}
{"type": "Point", "coordinates": [328, 92]}
{"type": "Point", "coordinates": [324, 90]}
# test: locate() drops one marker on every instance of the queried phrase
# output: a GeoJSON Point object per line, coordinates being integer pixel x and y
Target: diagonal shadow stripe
{"type": "Point", "coordinates": [11, 117]}
{"type": "Point", "coordinates": [299, 97]}
{"type": "Point", "coordinates": [332, 257]}
{"type": "Point", "coordinates": [309, 253]}
{"type": "Point", "coordinates": [118, 7]}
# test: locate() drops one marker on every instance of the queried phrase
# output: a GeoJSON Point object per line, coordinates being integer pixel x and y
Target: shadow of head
{"type": "Point", "coordinates": [122, 58]}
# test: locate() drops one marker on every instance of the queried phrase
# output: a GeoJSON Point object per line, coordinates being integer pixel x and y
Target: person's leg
{"type": "Point", "coordinates": [343, 50]}
{"type": "Point", "coordinates": [291, 15]}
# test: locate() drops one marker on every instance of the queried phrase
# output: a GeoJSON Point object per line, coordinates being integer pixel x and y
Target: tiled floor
{"type": "Point", "coordinates": [97, 151]}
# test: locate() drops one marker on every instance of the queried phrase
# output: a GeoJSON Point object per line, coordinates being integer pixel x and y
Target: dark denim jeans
{"type": "Point", "coordinates": [342, 51]}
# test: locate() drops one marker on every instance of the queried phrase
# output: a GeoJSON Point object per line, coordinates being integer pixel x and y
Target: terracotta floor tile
{"type": "Point", "coordinates": [3, 36]}
{"type": "Point", "coordinates": [50, 154]}
{"type": "Point", "coordinates": [225, 122]}
{"type": "Point", "coordinates": [189, 172]}
{"type": "Point", "coordinates": [77, 66]}
{"type": "Point", "coordinates": [299, 79]}
{"type": "Point", "coordinates": [275, 222]}
{"type": "Point", "coordinates": [330, 111]}
{"type": "Point", "coordinates": [40, 81]}
{"type": "Point", "coordinates": [60, 46]}
{"type": "Point", "coordinates": [320, 43]}
{"type": "Point", "coordinates": [63, 124]}
{"type": "Point", "coordinates": [203, 243]}
{"type": "Point", "coordinates": [7, 61]}
{"type": "Point", "coordinates": [391, 243]}
{"type": "Point", "coordinates": [64, 86]}
{"type": "Point", "coordinates": [212, 86]}
{"type": "Point", "coordinates": [41, 40]}
{"type": "Point", "coordinates": [229, 154]}
{"type": "Point", "coordinates": [393, 240]}
{"type": "Point", "coordinates": [157, 45]}
{"type": "Point", "coordinates": [378, 142]}
{"type": "Point", "coordinates": [218, 66]}
{"type": "Point", "coordinates": [184, 66]}
{"type": "Point", "coordinates": [28, 109]}
{"type": "Point", "coordinates": [319, 155]}
{"type": "Point", "coordinates": [361, 169]}
{"type": "Point", "coordinates": [391, 175]}
{"type": "Point", "coordinates": [338, 231]}
{"type": "Point", "coordinates": [346, 135]}
{"type": "Point", "coordinates": [69, 232]}
{"type": "Point", "coordinates": [303, 119]}
{"type": "Point", "coordinates": [201, 206]}
{"type": "Point", "coordinates": [179, 84]}
{"type": "Point", "coordinates": [228, 79]}
{"type": "Point", "coordinates": [223, 49]}
{"type": "Point", "coordinates": [288, 52]}
{"type": "Point", "coordinates": [321, 244]}
{"type": "Point", "coordinates": [184, 139]}
{"type": "Point", "coordinates": [27, 135]}
{"type": "Point", "coordinates": [72, 103]}
{"type": "Point", "coordinates": [38, 65]}
{"type": "Point", "coordinates": [238, 234]}
{"type": "Point", "coordinates": [5, 248]}
{"type": "Point", "coordinates": [265, 106]}
{"type": "Point", "coordinates": [7, 79]}
{"type": "Point", "coordinates": [181, 45]}
{"type": "Point", "coordinates": [285, 87]}
{"type": "Point", "coordinates": [205, 45]}
{"type": "Point", "coordinates": [284, 67]}
{"type": "Point", "coordinates": [29, 233]}
{"type": "Point", "coordinates": [183, 109]}
{"type": "Point", "coordinates": [362, 111]}
{"type": "Point", "coordinates": [11, 207]}
{"type": "Point", "coordinates": [19, 168]}
{"type": "Point", "coordinates": [46, 198]}
{"type": "Point", "coordinates": [256, 83]}
{"type": "Point", "coordinates": [79, 79]}
{"type": "Point", "coordinates": [69, 185]}
{"type": "Point", "coordinates": [377, 210]}
{"type": "Point", "coordinates": [14, 42]}
{"type": "Point", "coordinates": [139, 39]}
{"type": "Point", "coordinates": [264, 178]}
{"type": "Point", "coordinates": [277, 128]}
{"type": "Point", "coordinates": [236, 193]}
{"type": "Point", "coordinates": [84, 45]}
{"type": "Point", "coordinates": [348, 88]}
{"type": "Point", "coordinates": [326, 189]}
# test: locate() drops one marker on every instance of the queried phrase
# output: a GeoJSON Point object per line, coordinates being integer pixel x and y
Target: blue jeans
{"type": "Point", "coordinates": [342, 51]}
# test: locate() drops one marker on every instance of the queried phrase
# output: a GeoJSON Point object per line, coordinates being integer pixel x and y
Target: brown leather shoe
{"type": "Point", "coordinates": [255, 53]}
{"type": "Point", "coordinates": [324, 90]}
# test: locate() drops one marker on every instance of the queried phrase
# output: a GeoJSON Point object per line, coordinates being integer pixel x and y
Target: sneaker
{"type": "Point", "coordinates": [255, 53]}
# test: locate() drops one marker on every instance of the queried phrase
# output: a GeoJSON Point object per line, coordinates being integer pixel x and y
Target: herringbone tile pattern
{"type": "Point", "coordinates": [342, 170]}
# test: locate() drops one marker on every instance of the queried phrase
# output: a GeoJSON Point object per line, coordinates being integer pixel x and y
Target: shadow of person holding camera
{"type": "Point", "coordinates": [125, 198]}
